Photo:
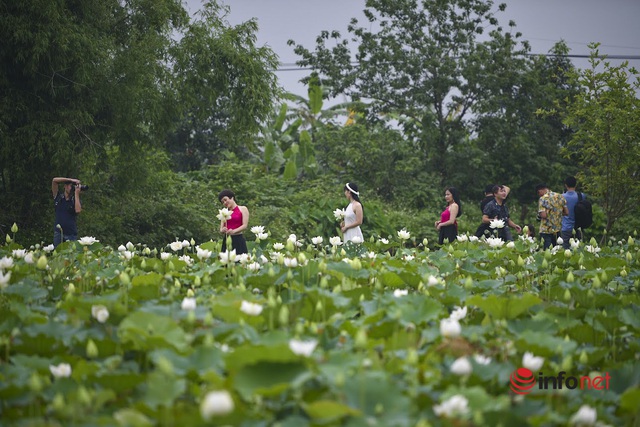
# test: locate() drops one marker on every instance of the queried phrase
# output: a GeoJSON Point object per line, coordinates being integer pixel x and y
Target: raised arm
{"type": "Point", "coordinates": [55, 182]}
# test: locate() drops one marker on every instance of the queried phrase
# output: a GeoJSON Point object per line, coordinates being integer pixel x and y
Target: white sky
{"type": "Point", "coordinates": [613, 23]}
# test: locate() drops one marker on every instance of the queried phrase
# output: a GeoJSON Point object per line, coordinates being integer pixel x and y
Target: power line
{"type": "Point", "coordinates": [293, 67]}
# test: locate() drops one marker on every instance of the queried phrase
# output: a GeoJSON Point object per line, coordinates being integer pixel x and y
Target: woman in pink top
{"type": "Point", "coordinates": [448, 224]}
{"type": "Point", "coordinates": [235, 225]}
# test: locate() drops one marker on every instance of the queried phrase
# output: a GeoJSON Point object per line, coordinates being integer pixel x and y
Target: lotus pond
{"type": "Point", "coordinates": [305, 332]}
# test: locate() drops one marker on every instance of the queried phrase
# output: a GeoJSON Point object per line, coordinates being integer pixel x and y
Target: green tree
{"type": "Point", "coordinates": [83, 83]}
{"type": "Point", "coordinates": [606, 140]}
{"type": "Point", "coordinates": [430, 62]}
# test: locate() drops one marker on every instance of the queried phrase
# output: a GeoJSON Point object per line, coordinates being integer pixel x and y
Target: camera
{"type": "Point", "coordinates": [82, 187]}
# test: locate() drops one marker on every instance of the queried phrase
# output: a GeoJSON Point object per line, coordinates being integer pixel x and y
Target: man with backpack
{"type": "Point", "coordinates": [579, 216]}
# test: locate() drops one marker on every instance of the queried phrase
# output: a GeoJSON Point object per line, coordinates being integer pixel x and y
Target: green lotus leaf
{"type": "Point", "coordinates": [544, 344]}
{"type": "Point", "coordinates": [504, 307]}
{"type": "Point", "coordinates": [326, 411]}
{"type": "Point", "coordinates": [630, 400]}
{"type": "Point", "coordinates": [266, 378]}
{"type": "Point", "coordinates": [131, 418]}
{"type": "Point", "coordinates": [148, 331]}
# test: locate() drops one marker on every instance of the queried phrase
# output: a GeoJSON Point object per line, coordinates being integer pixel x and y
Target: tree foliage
{"type": "Point", "coordinates": [432, 63]}
{"type": "Point", "coordinates": [84, 82]}
{"type": "Point", "coordinates": [606, 140]}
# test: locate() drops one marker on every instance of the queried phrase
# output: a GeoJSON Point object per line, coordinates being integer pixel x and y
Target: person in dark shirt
{"type": "Point", "coordinates": [67, 206]}
{"type": "Point", "coordinates": [483, 229]}
{"type": "Point", "coordinates": [497, 209]}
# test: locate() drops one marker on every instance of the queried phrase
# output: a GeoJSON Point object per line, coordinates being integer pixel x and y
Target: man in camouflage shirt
{"type": "Point", "coordinates": [551, 207]}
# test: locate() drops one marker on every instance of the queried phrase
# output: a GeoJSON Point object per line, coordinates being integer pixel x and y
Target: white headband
{"type": "Point", "coordinates": [350, 189]}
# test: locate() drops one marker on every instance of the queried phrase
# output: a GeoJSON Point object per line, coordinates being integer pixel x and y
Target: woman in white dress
{"type": "Point", "coordinates": [353, 215]}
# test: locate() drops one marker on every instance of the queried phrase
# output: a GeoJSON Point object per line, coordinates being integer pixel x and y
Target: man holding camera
{"type": "Point", "coordinates": [67, 205]}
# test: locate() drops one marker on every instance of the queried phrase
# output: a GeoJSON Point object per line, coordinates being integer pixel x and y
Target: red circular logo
{"type": "Point", "coordinates": [522, 380]}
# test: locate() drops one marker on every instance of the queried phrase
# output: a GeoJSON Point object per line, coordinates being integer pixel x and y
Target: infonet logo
{"type": "Point", "coordinates": [522, 381]}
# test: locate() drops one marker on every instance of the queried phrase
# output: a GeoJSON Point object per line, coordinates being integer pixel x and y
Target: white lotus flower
{"type": "Point", "coordinates": [459, 313]}
{"type": "Point", "coordinates": [496, 223]}
{"type": "Point", "coordinates": [126, 255]}
{"type": "Point", "coordinates": [4, 279]}
{"type": "Point", "coordinates": [130, 246]}
{"type": "Point", "coordinates": [302, 348]}
{"type": "Point", "coordinates": [224, 214]}
{"type": "Point", "coordinates": [404, 234]}
{"type": "Point", "coordinates": [531, 362]}
{"type": "Point", "coordinates": [165, 256]}
{"type": "Point", "coordinates": [384, 241]}
{"type": "Point", "coordinates": [473, 238]}
{"type": "Point", "coordinates": [258, 229]}
{"type": "Point", "coordinates": [455, 405]}
{"type": "Point", "coordinates": [176, 246]}
{"type": "Point", "coordinates": [357, 239]}
{"type": "Point", "coordinates": [335, 241]}
{"type": "Point", "coordinates": [100, 313]}
{"type": "Point", "coordinates": [400, 293]}
{"type": "Point", "coordinates": [275, 256]}
{"type": "Point", "coordinates": [371, 255]}
{"type": "Point", "coordinates": [243, 258]}
{"type": "Point", "coordinates": [48, 248]}
{"type": "Point", "coordinates": [216, 403]}
{"type": "Point", "coordinates": [461, 366]}
{"type": "Point", "coordinates": [432, 280]}
{"type": "Point", "coordinates": [28, 258]}
{"type": "Point", "coordinates": [254, 266]}
{"type": "Point", "coordinates": [409, 257]}
{"type": "Point", "coordinates": [560, 241]}
{"type": "Point", "coordinates": [203, 253]}
{"type": "Point", "coordinates": [575, 243]}
{"type": "Point", "coordinates": [481, 359]}
{"type": "Point", "coordinates": [495, 242]}
{"type": "Point", "coordinates": [187, 259]}
{"type": "Point", "coordinates": [227, 257]}
{"type": "Point", "coordinates": [292, 238]}
{"type": "Point", "coordinates": [339, 214]}
{"type": "Point", "coordinates": [592, 249]}
{"type": "Point", "coordinates": [511, 245]}
{"type": "Point", "coordinates": [250, 308]}
{"type": "Point", "coordinates": [586, 416]}
{"type": "Point", "coordinates": [63, 370]}
{"type": "Point", "coordinates": [278, 246]}
{"type": "Point", "coordinates": [188, 304]}
{"type": "Point", "coordinates": [185, 243]}
{"type": "Point", "coordinates": [291, 262]}
{"type": "Point", "coordinates": [87, 240]}
{"type": "Point", "coordinates": [122, 248]}
{"type": "Point", "coordinates": [19, 253]}
{"type": "Point", "coordinates": [462, 238]}
{"type": "Point", "coordinates": [317, 240]}
{"type": "Point", "coordinates": [262, 236]}
{"type": "Point", "coordinates": [450, 328]}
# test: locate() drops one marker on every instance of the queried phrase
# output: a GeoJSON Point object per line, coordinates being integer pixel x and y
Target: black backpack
{"type": "Point", "coordinates": [583, 212]}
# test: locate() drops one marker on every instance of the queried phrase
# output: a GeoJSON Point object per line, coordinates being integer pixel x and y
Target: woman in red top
{"type": "Point", "coordinates": [235, 225]}
{"type": "Point", "coordinates": [448, 224]}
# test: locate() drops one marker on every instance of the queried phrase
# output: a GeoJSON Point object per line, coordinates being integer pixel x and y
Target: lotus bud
{"type": "Point", "coordinates": [361, 339]}
{"type": "Point", "coordinates": [92, 349]}
{"type": "Point", "coordinates": [197, 281]}
{"type": "Point", "coordinates": [283, 315]}
{"type": "Point", "coordinates": [623, 273]}
{"type": "Point", "coordinates": [146, 251]}
{"type": "Point", "coordinates": [35, 383]}
{"type": "Point", "coordinates": [290, 245]}
{"type": "Point", "coordinates": [593, 242]}
{"type": "Point", "coordinates": [289, 275]}
{"type": "Point", "coordinates": [324, 283]}
{"type": "Point", "coordinates": [412, 357]}
{"type": "Point", "coordinates": [8, 239]}
{"type": "Point", "coordinates": [604, 312]}
{"type": "Point", "coordinates": [190, 293]}
{"type": "Point", "coordinates": [570, 278]}
{"type": "Point", "coordinates": [590, 293]}
{"type": "Point", "coordinates": [165, 366]}
{"type": "Point", "coordinates": [425, 241]}
{"type": "Point", "coordinates": [58, 402]}
{"type": "Point", "coordinates": [319, 306]}
{"type": "Point", "coordinates": [299, 328]}
{"type": "Point", "coordinates": [547, 254]}
{"type": "Point", "coordinates": [343, 252]}
{"type": "Point", "coordinates": [279, 300]}
{"type": "Point", "coordinates": [313, 328]}
{"type": "Point", "coordinates": [83, 396]}
{"type": "Point", "coordinates": [544, 264]}
{"type": "Point", "coordinates": [302, 258]}
{"type": "Point", "coordinates": [14, 228]}
{"type": "Point", "coordinates": [143, 264]}
{"type": "Point", "coordinates": [567, 363]}
{"type": "Point", "coordinates": [629, 257]}
{"type": "Point", "coordinates": [630, 240]}
{"type": "Point", "coordinates": [71, 288]}
{"type": "Point", "coordinates": [361, 299]}
{"type": "Point", "coordinates": [208, 319]}
{"type": "Point", "coordinates": [567, 253]}
{"type": "Point", "coordinates": [271, 272]}
{"type": "Point", "coordinates": [170, 266]}
{"type": "Point", "coordinates": [520, 261]}
{"type": "Point", "coordinates": [468, 282]}
{"type": "Point", "coordinates": [604, 276]}
{"type": "Point", "coordinates": [42, 262]}
{"type": "Point", "coordinates": [567, 295]}
{"type": "Point", "coordinates": [596, 282]}
{"type": "Point", "coordinates": [584, 358]}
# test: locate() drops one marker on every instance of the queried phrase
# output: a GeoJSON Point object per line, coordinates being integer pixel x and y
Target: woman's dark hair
{"type": "Point", "coordinates": [456, 198]}
{"type": "Point", "coordinates": [354, 187]}
{"type": "Point", "coordinates": [228, 193]}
